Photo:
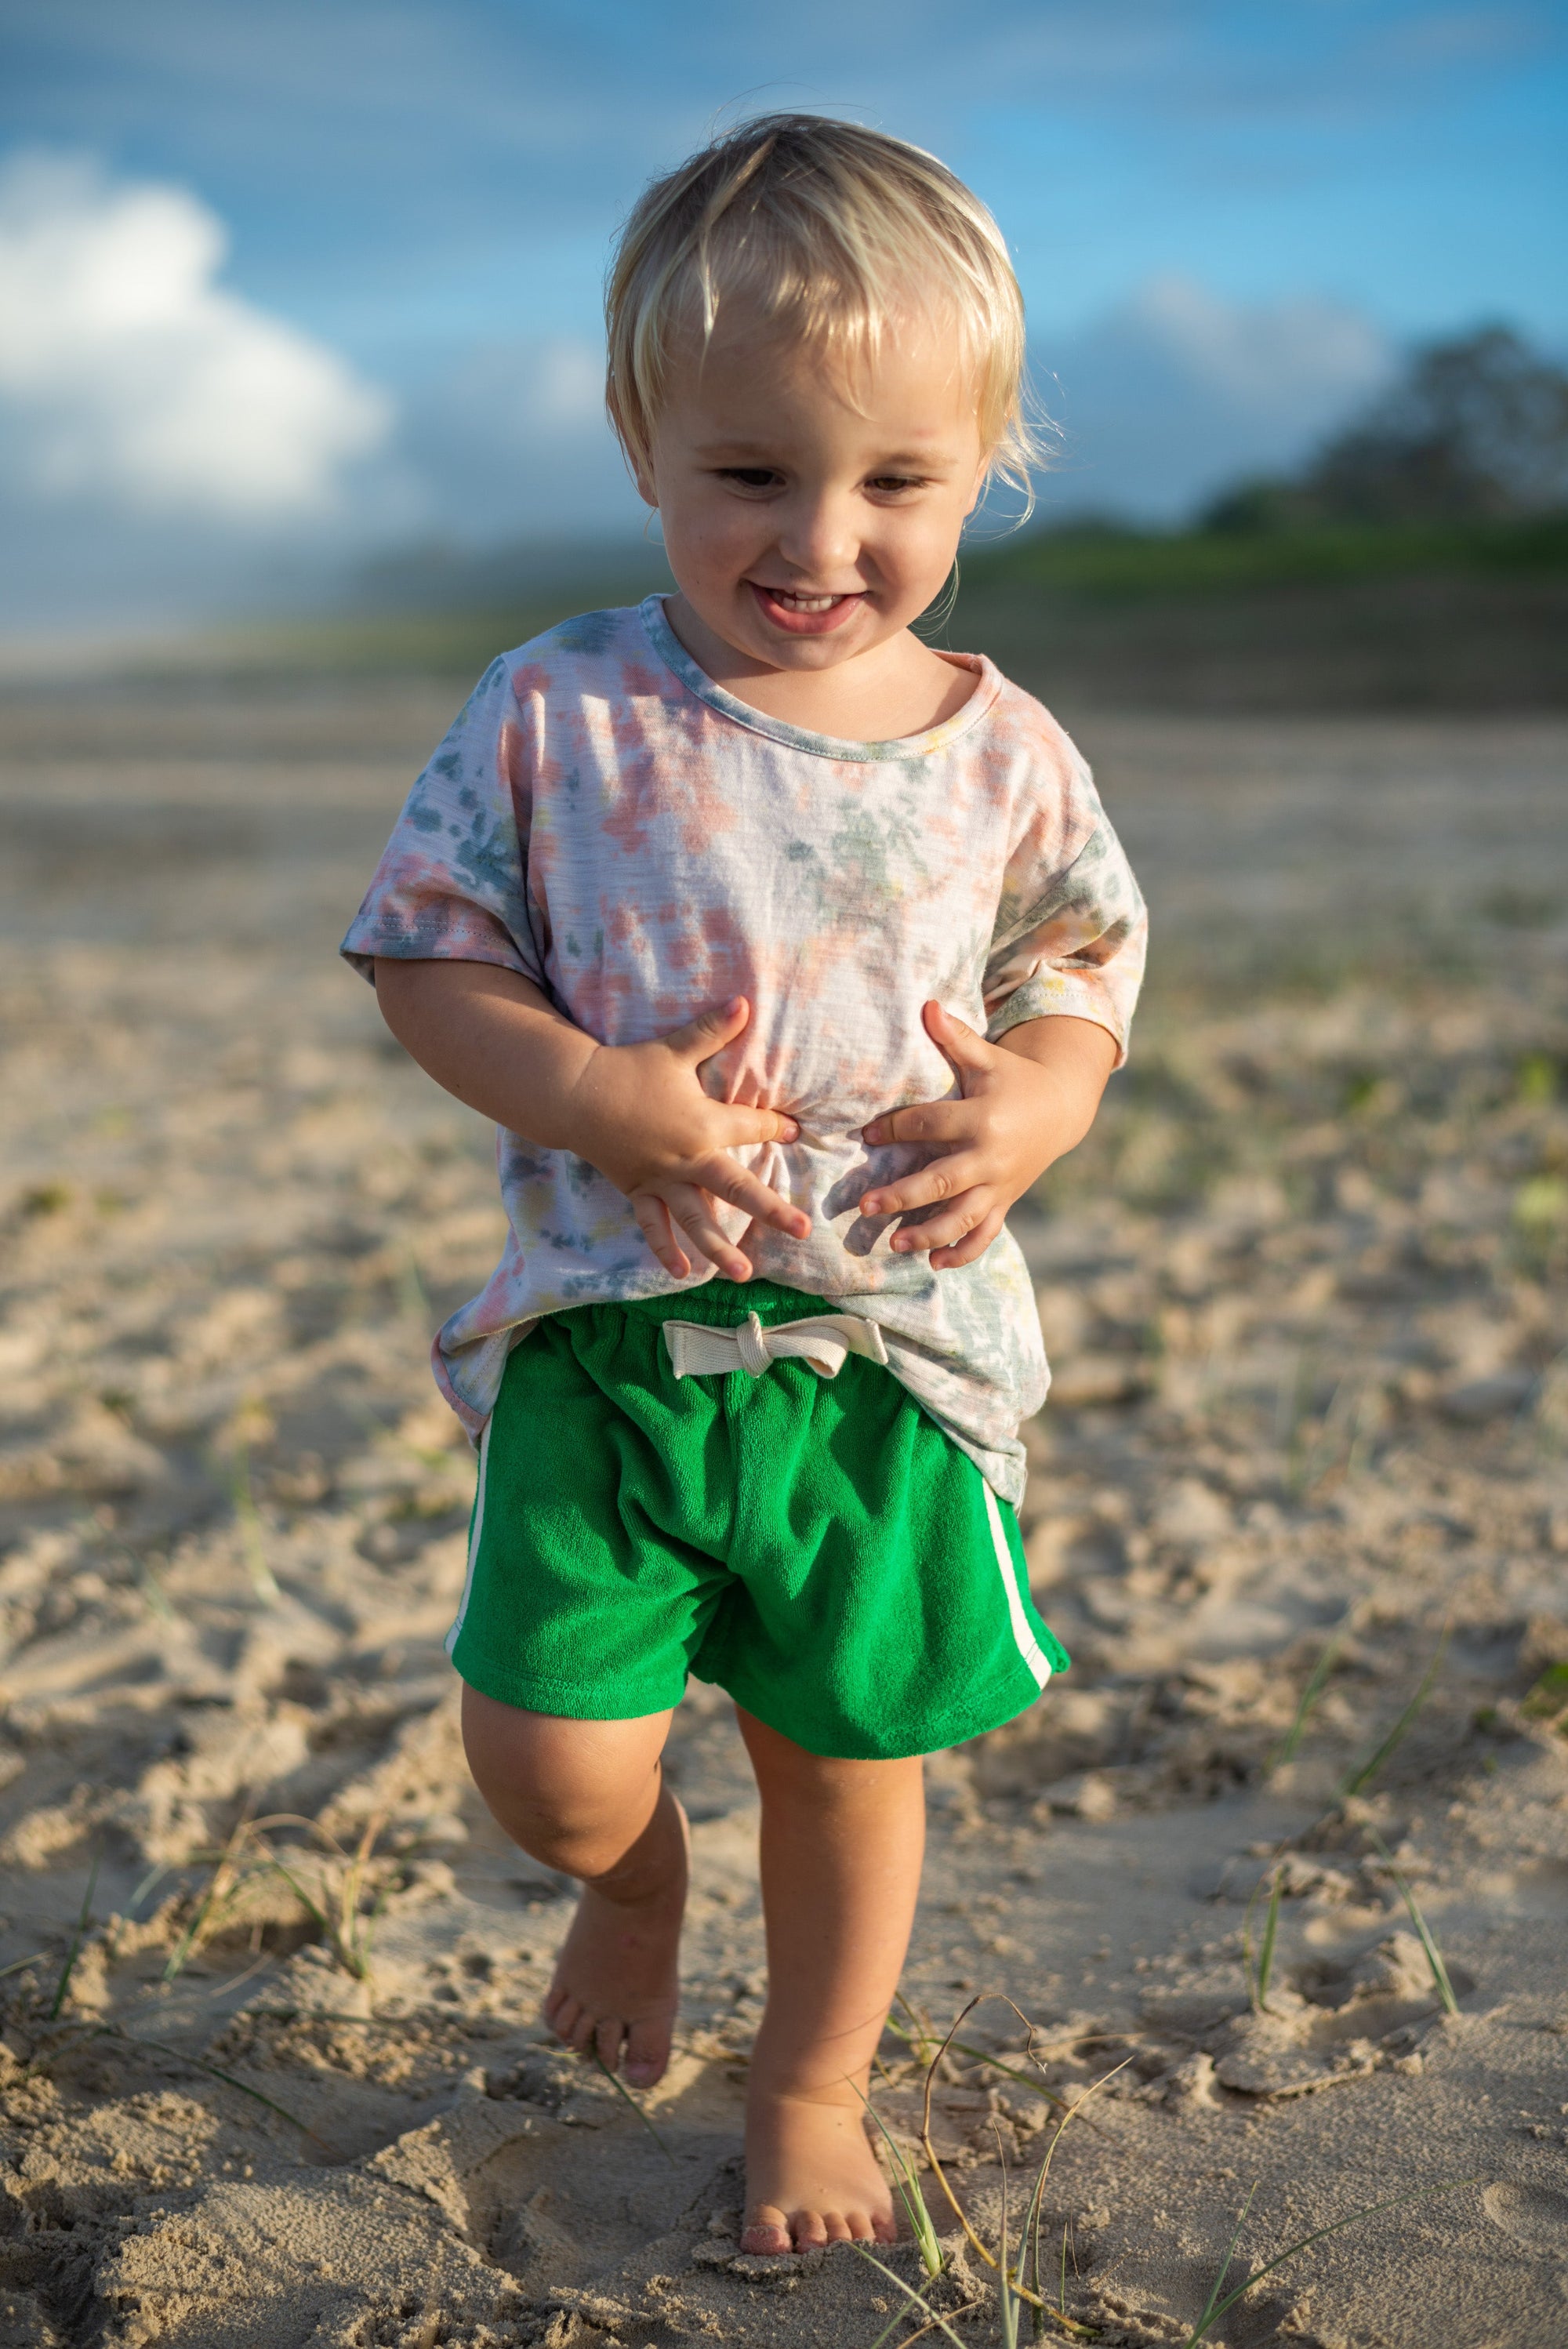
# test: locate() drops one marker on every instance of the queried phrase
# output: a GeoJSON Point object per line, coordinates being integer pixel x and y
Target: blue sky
{"type": "Point", "coordinates": [1227, 216]}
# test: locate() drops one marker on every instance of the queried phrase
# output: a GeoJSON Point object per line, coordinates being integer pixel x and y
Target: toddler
{"type": "Point", "coordinates": [785, 953]}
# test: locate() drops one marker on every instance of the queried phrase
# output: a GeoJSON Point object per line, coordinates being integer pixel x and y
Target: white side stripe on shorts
{"type": "Point", "coordinates": [451, 1641]}
{"type": "Point", "coordinates": [1029, 1647]}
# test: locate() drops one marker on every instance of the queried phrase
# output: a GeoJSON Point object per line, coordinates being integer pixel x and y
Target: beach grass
{"type": "Point", "coordinates": [1219, 2301]}
{"type": "Point", "coordinates": [1439, 1973]}
{"type": "Point", "coordinates": [74, 1949]}
{"type": "Point", "coordinates": [1365, 1772]}
{"type": "Point", "coordinates": [1316, 1682]}
{"type": "Point", "coordinates": [1259, 1970]}
{"type": "Point", "coordinates": [1016, 2255]}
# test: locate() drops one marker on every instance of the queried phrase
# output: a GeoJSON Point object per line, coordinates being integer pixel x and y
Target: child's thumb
{"type": "Point", "coordinates": [963, 1045]}
{"type": "Point", "coordinates": [710, 1031]}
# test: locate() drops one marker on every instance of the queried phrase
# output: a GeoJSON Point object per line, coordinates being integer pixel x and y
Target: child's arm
{"type": "Point", "coordinates": [1027, 1100]}
{"type": "Point", "coordinates": [636, 1112]}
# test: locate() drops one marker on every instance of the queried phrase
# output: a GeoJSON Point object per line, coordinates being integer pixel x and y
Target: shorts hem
{"type": "Point", "coordinates": [896, 1744]}
{"type": "Point", "coordinates": [562, 1700]}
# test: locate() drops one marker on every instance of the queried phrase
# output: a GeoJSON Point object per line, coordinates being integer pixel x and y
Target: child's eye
{"type": "Point", "coordinates": [892, 484]}
{"type": "Point", "coordinates": [751, 477]}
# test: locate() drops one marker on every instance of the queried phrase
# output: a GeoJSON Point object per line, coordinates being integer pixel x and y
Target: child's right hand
{"type": "Point", "coordinates": [636, 1112]}
{"type": "Point", "coordinates": [640, 1115]}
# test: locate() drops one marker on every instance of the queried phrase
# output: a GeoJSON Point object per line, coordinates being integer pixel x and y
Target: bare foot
{"type": "Point", "coordinates": [811, 2174]}
{"type": "Point", "coordinates": [617, 1980]}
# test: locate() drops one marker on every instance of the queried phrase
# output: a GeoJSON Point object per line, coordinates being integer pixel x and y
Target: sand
{"type": "Point", "coordinates": [1305, 1292]}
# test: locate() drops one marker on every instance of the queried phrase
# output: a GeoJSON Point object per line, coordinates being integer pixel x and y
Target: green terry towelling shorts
{"type": "Point", "coordinates": [814, 1544]}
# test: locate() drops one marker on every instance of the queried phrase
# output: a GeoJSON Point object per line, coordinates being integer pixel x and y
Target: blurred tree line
{"type": "Point", "coordinates": [1476, 430]}
{"type": "Point", "coordinates": [1418, 562]}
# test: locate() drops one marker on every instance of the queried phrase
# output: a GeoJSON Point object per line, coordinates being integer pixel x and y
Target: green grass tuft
{"type": "Point", "coordinates": [1365, 1772]}
{"type": "Point", "coordinates": [1216, 2307]}
{"type": "Point", "coordinates": [907, 2180]}
{"type": "Point", "coordinates": [1317, 1681]}
{"type": "Point", "coordinates": [63, 1985]}
{"type": "Point", "coordinates": [1439, 1971]}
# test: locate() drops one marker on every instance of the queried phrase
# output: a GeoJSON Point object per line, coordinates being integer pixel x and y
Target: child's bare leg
{"type": "Point", "coordinates": [588, 1798]}
{"type": "Point", "coordinates": [842, 1849]}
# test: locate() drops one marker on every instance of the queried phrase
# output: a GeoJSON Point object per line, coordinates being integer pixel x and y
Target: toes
{"type": "Point", "coordinates": [561, 2013]}
{"type": "Point", "coordinates": [883, 2230]}
{"type": "Point", "coordinates": [605, 2040]}
{"type": "Point", "coordinates": [767, 2235]}
{"type": "Point", "coordinates": [647, 2053]}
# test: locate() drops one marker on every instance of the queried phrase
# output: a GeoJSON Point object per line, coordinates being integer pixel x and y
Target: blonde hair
{"type": "Point", "coordinates": [828, 228]}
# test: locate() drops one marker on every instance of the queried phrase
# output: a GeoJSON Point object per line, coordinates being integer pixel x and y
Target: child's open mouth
{"type": "Point", "coordinates": [804, 614]}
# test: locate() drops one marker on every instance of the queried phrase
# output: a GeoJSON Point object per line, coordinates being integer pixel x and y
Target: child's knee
{"type": "Point", "coordinates": [583, 1850]}
{"type": "Point", "coordinates": [572, 1794]}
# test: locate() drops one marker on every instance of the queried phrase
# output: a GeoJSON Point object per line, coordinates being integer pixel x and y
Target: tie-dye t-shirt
{"type": "Point", "coordinates": [607, 820]}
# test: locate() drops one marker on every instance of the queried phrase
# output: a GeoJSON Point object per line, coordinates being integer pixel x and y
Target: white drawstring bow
{"type": "Point", "coordinates": [823, 1340]}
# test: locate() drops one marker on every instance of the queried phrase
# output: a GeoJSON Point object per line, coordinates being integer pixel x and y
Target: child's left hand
{"type": "Point", "coordinates": [1025, 1103]}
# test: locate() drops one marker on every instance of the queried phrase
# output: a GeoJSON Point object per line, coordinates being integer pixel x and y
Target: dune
{"type": "Point", "coordinates": [1280, 1870]}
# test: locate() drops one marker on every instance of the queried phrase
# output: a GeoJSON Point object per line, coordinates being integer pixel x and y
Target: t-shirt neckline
{"type": "Point", "coordinates": [696, 680]}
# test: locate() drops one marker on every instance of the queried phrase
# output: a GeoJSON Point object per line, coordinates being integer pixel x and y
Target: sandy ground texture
{"type": "Point", "coordinates": [272, 2072]}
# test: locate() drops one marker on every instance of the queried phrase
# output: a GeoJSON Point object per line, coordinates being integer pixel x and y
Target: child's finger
{"type": "Point", "coordinates": [954, 1224]}
{"type": "Point", "coordinates": [973, 1245]}
{"type": "Point", "coordinates": [944, 1121]}
{"type": "Point", "coordinates": [699, 1039]}
{"type": "Point", "coordinates": [741, 1189]}
{"type": "Point", "coordinates": [655, 1224]}
{"type": "Point", "coordinates": [944, 1178]}
{"type": "Point", "coordinates": [692, 1211]}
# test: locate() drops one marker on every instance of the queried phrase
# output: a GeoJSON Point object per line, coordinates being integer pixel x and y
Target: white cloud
{"type": "Point", "coordinates": [510, 439]}
{"type": "Point", "coordinates": [1176, 392]}
{"type": "Point", "coordinates": [1283, 357]}
{"type": "Point", "coordinates": [134, 380]}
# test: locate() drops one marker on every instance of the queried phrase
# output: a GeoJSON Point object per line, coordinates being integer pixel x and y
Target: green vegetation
{"type": "Point", "coordinates": [1418, 560]}
{"type": "Point", "coordinates": [1019, 2301]}
{"type": "Point", "coordinates": [1217, 2307]}
{"type": "Point", "coordinates": [1104, 563]}
{"type": "Point", "coordinates": [1427, 614]}
{"type": "Point", "coordinates": [1475, 429]}
{"type": "Point", "coordinates": [1548, 1700]}
{"type": "Point", "coordinates": [1260, 1972]}
{"type": "Point", "coordinates": [1434, 1956]}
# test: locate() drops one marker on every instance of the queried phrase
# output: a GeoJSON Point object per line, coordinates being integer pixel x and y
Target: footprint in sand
{"type": "Point", "coordinates": [1534, 2215]}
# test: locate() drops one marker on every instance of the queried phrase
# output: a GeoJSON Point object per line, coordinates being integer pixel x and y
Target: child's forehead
{"type": "Point", "coordinates": [756, 371]}
{"type": "Point", "coordinates": [841, 332]}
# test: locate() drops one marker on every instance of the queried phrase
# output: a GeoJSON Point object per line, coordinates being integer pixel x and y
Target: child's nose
{"type": "Point", "coordinates": [818, 538]}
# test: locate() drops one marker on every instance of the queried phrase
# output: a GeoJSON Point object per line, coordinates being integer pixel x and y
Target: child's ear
{"type": "Point", "coordinates": [981, 478]}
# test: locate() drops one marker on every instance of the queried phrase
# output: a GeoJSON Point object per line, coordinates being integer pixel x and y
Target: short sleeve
{"type": "Point", "coordinates": [452, 883]}
{"type": "Point", "coordinates": [1072, 929]}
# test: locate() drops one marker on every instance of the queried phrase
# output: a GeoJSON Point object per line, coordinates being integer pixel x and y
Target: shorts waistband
{"type": "Point", "coordinates": [725, 1304]}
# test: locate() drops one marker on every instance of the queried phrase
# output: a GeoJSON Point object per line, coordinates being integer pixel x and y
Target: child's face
{"type": "Point", "coordinates": [809, 517]}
